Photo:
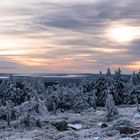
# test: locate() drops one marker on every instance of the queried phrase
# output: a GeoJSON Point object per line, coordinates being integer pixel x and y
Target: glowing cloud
{"type": "Point", "coordinates": [11, 43]}
{"type": "Point", "coordinates": [123, 33]}
{"type": "Point", "coordinates": [134, 65]}
{"type": "Point", "coordinates": [106, 50]}
{"type": "Point", "coordinates": [13, 52]}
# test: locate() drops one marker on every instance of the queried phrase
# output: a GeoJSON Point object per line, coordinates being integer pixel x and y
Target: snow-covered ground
{"type": "Point", "coordinates": [88, 126]}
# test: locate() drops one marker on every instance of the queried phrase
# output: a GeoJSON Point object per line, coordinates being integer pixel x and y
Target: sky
{"type": "Point", "coordinates": [62, 36]}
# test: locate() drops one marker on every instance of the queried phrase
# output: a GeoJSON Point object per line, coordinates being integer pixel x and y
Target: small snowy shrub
{"type": "Point", "coordinates": [121, 122]}
{"type": "Point", "coordinates": [52, 102]}
{"type": "Point", "coordinates": [30, 112]}
{"type": "Point", "coordinates": [3, 112]}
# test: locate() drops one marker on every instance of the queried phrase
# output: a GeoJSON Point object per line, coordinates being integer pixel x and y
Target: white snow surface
{"type": "Point", "coordinates": [127, 138]}
{"type": "Point", "coordinates": [136, 116]}
{"type": "Point", "coordinates": [87, 125]}
{"type": "Point", "coordinates": [75, 126]}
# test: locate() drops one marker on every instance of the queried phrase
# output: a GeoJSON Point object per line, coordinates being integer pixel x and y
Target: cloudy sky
{"type": "Point", "coordinates": [56, 36]}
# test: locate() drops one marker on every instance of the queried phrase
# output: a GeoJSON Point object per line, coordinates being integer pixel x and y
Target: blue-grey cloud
{"type": "Point", "coordinates": [59, 30]}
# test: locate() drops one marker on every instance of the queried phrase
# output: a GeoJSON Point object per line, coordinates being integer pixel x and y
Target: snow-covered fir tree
{"type": "Point", "coordinates": [101, 86]}
{"type": "Point", "coordinates": [80, 100]}
{"type": "Point", "coordinates": [137, 97]}
{"type": "Point", "coordinates": [9, 109]}
{"type": "Point", "coordinates": [39, 85]}
{"type": "Point", "coordinates": [92, 99]}
{"type": "Point", "coordinates": [108, 73]}
{"type": "Point", "coordinates": [132, 91]}
{"type": "Point", "coordinates": [119, 86]}
{"type": "Point", "coordinates": [8, 90]}
{"type": "Point", "coordinates": [111, 111]}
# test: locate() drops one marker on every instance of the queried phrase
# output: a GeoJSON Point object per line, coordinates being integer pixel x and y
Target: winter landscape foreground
{"type": "Point", "coordinates": [89, 128]}
{"type": "Point", "coordinates": [102, 108]}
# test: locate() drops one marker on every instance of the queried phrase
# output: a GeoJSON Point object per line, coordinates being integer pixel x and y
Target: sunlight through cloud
{"type": "Point", "coordinates": [123, 33]}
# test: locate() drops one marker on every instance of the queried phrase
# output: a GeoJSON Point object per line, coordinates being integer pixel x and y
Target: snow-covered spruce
{"type": "Point", "coordinates": [111, 111]}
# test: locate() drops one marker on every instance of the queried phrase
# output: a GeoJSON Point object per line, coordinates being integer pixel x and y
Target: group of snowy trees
{"type": "Point", "coordinates": [22, 104]}
{"type": "Point", "coordinates": [32, 99]}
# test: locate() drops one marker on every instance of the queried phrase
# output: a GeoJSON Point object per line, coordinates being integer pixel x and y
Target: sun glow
{"type": "Point", "coordinates": [13, 47]}
{"type": "Point", "coordinates": [123, 33]}
{"type": "Point", "coordinates": [12, 52]}
{"type": "Point", "coordinates": [10, 44]}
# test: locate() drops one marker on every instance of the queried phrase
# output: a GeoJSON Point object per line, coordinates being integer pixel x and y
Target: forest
{"type": "Point", "coordinates": [32, 104]}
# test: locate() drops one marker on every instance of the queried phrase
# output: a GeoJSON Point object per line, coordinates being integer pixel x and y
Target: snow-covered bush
{"type": "Point", "coordinates": [30, 112]}
{"type": "Point", "coordinates": [121, 122]}
{"type": "Point", "coordinates": [66, 101]}
{"type": "Point", "coordinates": [7, 112]}
{"type": "Point", "coordinates": [52, 102]}
{"type": "Point", "coordinates": [3, 112]}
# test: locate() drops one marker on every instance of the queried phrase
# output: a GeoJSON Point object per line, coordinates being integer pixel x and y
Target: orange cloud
{"type": "Point", "coordinates": [132, 66]}
{"type": "Point", "coordinates": [28, 61]}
